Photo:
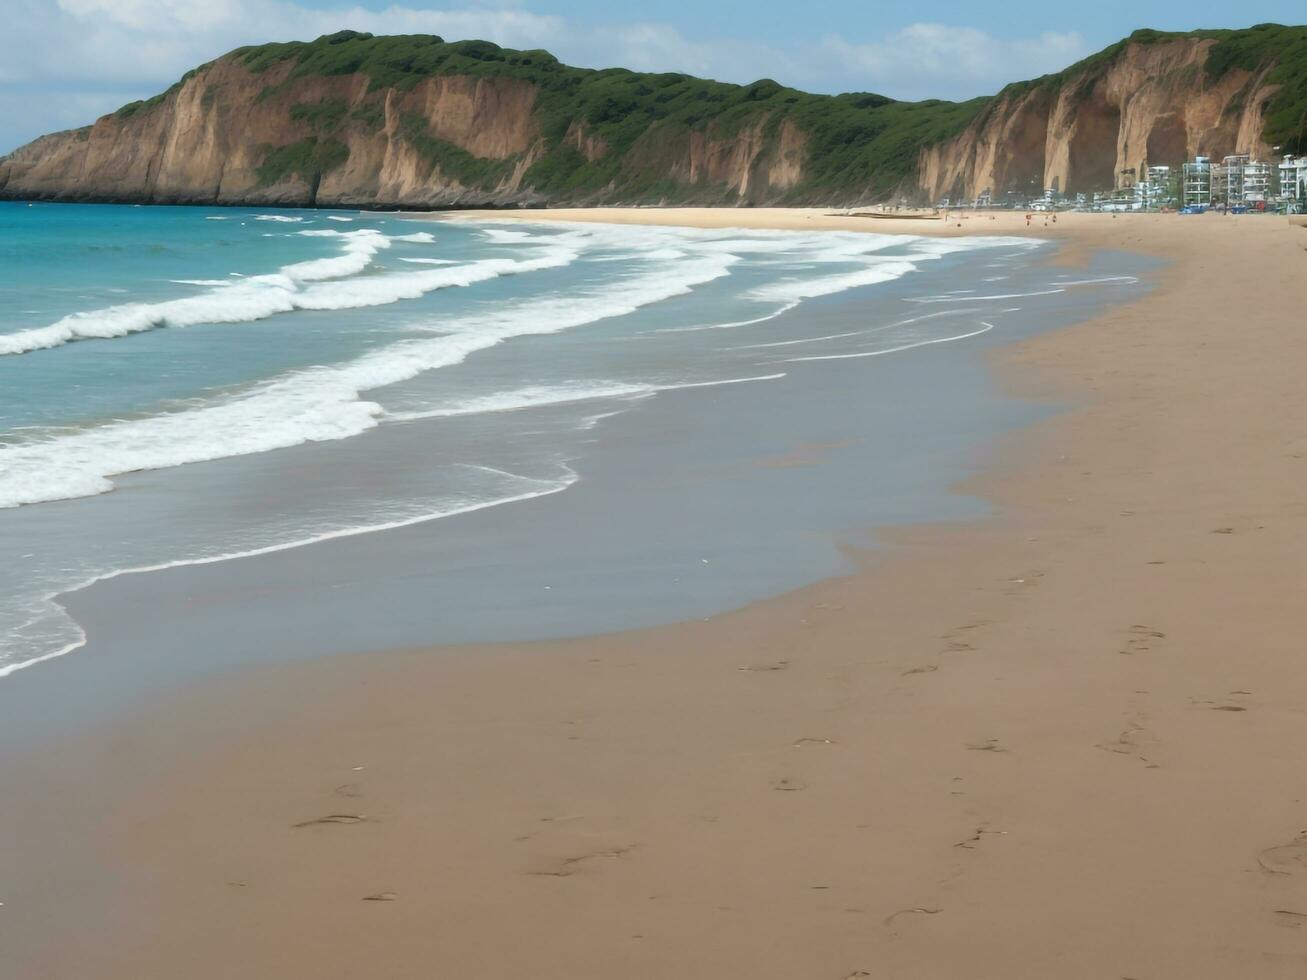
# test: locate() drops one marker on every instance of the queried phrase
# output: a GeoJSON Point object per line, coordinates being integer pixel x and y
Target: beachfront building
{"type": "Point", "coordinates": [1196, 182]}
{"type": "Point", "coordinates": [1154, 190]}
{"type": "Point", "coordinates": [1240, 181]}
{"type": "Point", "coordinates": [1046, 203]}
{"type": "Point", "coordinates": [1227, 179]}
{"type": "Point", "coordinates": [1257, 180]}
{"type": "Point", "coordinates": [1293, 183]}
{"type": "Point", "coordinates": [1117, 201]}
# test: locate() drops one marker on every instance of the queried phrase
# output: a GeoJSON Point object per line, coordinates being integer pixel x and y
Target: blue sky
{"type": "Point", "coordinates": [65, 62]}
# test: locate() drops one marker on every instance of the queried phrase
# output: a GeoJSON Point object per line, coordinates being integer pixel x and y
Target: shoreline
{"type": "Point", "coordinates": [1059, 741]}
{"type": "Point", "coordinates": [812, 418]}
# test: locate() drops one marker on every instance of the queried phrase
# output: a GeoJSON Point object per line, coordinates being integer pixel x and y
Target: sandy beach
{"type": "Point", "coordinates": [1063, 742]}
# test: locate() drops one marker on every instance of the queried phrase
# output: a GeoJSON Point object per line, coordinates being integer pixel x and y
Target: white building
{"type": "Point", "coordinates": [1227, 179]}
{"type": "Point", "coordinates": [1154, 190]}
{"type": "Point", "coordinates": [1257, 182]}
{"type": "Point", "coordinates": [1196, 187]}
{"type": "Point", "coordinates": [1293, 182]}
{"type": "Point", "coordinates": [1241, 180]}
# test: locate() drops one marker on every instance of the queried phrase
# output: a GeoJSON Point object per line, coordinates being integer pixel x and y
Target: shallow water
{"type": "Point", "coordinates": [721, 408]}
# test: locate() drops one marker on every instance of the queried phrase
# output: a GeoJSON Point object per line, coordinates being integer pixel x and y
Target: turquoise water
{"type": "Point", "coordinates": [438, 367]}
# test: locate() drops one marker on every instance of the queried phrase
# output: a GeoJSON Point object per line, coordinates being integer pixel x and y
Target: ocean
{"type": "Point", "coordinates": [182, 387]}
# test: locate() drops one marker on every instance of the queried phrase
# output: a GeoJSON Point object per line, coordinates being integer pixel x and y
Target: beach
{"type": "Point", "coordinates": [1063, 740]}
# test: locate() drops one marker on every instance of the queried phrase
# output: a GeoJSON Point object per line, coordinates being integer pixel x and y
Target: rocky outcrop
{"type": "Point", "coordinates": [1150, 104]}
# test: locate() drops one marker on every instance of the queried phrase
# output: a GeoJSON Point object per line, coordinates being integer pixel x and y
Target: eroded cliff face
{"type": "Point", "coordinates": [230, 136]}
{"type": "Point", "coordinates": [207, 142]}
{"type": "Point", "coordinates": [1151, 105]}
{"type": "Point", "coordinates": [413, 121]}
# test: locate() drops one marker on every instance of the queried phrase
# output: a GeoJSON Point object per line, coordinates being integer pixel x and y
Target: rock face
{"type": "Point", "coordinates": [417, 122]}
{"type": "Point", "coordinates": [215, 139]}
{"type": "Point", "coordinates": [208, 140]}
{"type": "Point", "coordinates": [1151, 104]}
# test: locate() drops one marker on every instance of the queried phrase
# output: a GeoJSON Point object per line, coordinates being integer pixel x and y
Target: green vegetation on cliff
{"type": "Point", "coordinates": [453, 161]}
{"type": "Point", "coordinates": [618, 136]}
{"type": "Point", "coordinates": [856, 144]}
{"type": "Point", "coordinates": [1282, 53]}
{"type": "Point", "coordinates": [1273, 54]}
{"type": "Point", "coordinates": [322, 117]}
{"type": "Point", "coordinates": [307, 159]}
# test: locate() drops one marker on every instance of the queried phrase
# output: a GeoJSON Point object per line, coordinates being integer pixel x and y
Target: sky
{"type": "Point", "coordinates": [63, 63]}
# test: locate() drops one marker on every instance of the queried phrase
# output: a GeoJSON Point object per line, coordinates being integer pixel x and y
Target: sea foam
{"type": "Point", "coordinates": [300, 286]}
{"type": "Point", "coordinates": [337, 401]}
{"type": "Point", "coordinates": [324, 403]}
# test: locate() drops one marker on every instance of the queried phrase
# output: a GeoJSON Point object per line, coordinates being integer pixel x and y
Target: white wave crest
{"type": "Point", "coordinates": [531, 396]}
{"type": "Point", "coordinates": [323, 403]}
{"type": "Point", "coordinates": [258, 297]}
{"type": "Point", "coordinates": [359, 249]}
{"type": "Point", "coordinates": [793, 290]}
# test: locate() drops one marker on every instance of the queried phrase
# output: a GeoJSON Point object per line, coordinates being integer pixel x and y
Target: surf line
{"type": "Point", "coordinates": [985, 328]}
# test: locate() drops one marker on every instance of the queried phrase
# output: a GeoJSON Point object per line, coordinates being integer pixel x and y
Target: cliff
{"type": "Point", "coordinates": [1153, 99]}
{"type": "Point", "coordinates": [414, 122]}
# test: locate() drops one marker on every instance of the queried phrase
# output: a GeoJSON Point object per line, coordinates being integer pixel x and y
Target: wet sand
{"type": "Point", "coordinates": [1065, 741]}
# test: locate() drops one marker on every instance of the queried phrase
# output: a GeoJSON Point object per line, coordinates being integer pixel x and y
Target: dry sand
{"type": "Point", "coordinates": [1067, 742]}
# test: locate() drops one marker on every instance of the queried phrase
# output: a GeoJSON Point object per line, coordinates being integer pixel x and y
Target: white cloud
{"type": "Point", "coordinates": [62, 62]}
{"type": "Point", "coordinates": [661, 48]}
{"type": "Point", "coordinates": [29, 114]}
{"type": "Point", "coordinates": [935, 59]}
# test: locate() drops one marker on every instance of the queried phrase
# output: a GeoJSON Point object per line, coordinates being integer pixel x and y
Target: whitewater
{"type": "Point", "coordinates": [177, 389]}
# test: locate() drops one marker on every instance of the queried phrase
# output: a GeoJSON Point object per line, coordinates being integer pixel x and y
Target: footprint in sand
{"type": "Point", "coordinates": [1135, 740]}
{"type": "Point", "coordinates": [1141, 639]}
{"type": "Point", "coordinates": [1286, 859]}
{"type": "Point", "coordinates": [925, 669]}
{"type": "Point", "coordinates": [1289, 918]}
{"type": "Point", "coordinates": [332, 818]}
{"type": "Point", "coordinates": [980, 834]}
{"type": "Point", "coordinates": [918, 910]}
{"type": "Point", "coordinates": [567, 867]}
{"type": "Point", "coordinates": [1224, 704]}
{"type": "Point", "coordinates": [788, 785]}
{"type": "Point", "coordinates": [954, 641]}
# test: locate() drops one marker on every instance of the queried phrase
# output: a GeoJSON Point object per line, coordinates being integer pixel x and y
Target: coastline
{"type": "Point", "coordinates": [1061, 741]}
{"type": "Point", "coordinates": [897, 432]}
